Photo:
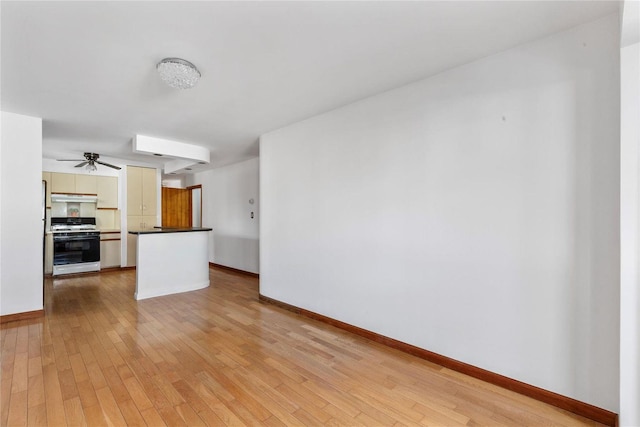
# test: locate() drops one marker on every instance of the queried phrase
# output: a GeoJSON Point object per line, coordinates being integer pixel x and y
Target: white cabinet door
{"type": "Point", "coordinates": [86, 184]}
{"type": "Point", "coordinates": [134, 190]}
{"type": "Point", "coordinates": [110, 253]}
{"type": "Point", "coordinates": [48, 254]}
{"type": "Point", "coordinates": [132, 241]}
{"type": "Point", "coordinates": [63, 183]}
{"type": "Point", "coordinates": [107, 188]}
{"type": "Point", "coordinates": [149, 192]}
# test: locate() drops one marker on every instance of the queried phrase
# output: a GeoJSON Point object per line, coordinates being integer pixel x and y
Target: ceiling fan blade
{"type": "Point", "coordinates": [81, 164]}
{"type": "Point", "coordinates": [108, 165]}
{"type": "Point", "coordinates": [70, 160]}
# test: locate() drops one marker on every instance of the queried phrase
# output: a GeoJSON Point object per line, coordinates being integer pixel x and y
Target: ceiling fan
{"type": "Point", "coordinates": [90, 161]}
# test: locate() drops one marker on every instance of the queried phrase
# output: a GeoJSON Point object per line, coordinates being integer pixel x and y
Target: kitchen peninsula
{"type": "Point", "coordinates": [171, 260]}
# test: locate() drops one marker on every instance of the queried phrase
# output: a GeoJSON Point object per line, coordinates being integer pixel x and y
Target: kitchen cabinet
{"type": "Point", "coordinates": [109, 250]}
{"type": "Point", "coordinates": [48, 254]}
{"type": "Point", "coordinates": [140, 222]}
{"type": "Point", "coordinates": [86, 184]}
{"type": "Point", "coordinates": [69, 183]}
{"type": "Point", "coordinates": [149, 192]}
{"type": "Point", "coordinates": [137, 223]}
{"type": "Point", "coordinates": [142, 191]}
{"type": "Point", "coordinates": [132, 242]}
{"type": "Point", "coordinates": [107, 189]}
{"type": "Point", "coordinates": [108, 219]}
{"type": "Point", "coordinates": [63, 183]}
{"type": "Point", "coordinates": [142, 198]}
{"type": "Point", "coordinates": [46, 176]}
{"type": "Point", "coordinates": [134, 190]}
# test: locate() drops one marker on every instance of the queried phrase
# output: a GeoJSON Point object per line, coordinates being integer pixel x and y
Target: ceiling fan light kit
{"type": "Point", "coordinates": [178, 73]}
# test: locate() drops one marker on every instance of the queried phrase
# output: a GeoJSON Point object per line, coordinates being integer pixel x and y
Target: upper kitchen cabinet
{"type": "Point", "coordinates": [86, 184]}
{"type": "Point", "coordinates": [134, 190]}
{"type": "Point", "coordinates": [69, 183]}
{"type": "Point", "coordinates": [107, 187]}
{"type": "Point", "coordinates": [46, 176]}
{"type": "Point", "coordinates": [149, 192]}
{"type": "Point", "coordinates": [142, 196]}
{"type": "Point", "coordinates": [63, 182]}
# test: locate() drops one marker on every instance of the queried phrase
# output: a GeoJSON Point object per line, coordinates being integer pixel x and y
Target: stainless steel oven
{"type": "Point", "coordinates": [76, 245]}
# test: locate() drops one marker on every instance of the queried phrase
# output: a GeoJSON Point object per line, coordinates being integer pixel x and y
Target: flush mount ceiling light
{"type": "Point", "coordinates": [178, 73]}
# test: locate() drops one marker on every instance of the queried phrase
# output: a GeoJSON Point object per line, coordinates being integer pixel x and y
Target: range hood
{"type": "Point", "coordinates": [75, 198]}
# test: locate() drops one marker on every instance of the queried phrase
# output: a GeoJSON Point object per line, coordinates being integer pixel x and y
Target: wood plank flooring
{"type": "Point", "coordinates": [218, 357]}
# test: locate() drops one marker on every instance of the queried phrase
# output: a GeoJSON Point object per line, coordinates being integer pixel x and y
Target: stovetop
{"type": "Point", "coordinates": [72, 224]}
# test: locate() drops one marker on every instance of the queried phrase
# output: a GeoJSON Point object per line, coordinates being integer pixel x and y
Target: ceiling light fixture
{"type": "Point", "coordinates": [178, 73]}
{"type": "Point", "coordinates": [91, 167]}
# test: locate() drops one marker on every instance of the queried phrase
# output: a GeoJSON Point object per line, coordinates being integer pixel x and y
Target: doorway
{"type": "Point", "coordinates": [182, 207]}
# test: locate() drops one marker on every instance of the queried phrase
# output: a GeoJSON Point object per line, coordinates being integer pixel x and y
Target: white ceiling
{"type": "Point", "coordinates": [88, 69]}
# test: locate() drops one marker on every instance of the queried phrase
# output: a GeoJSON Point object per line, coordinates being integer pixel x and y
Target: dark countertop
{"type": "Point", "coordinates": [159, 230]}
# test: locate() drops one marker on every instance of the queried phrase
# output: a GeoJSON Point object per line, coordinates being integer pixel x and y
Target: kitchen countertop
{"type": "Point", "coordinates": [159, 230]}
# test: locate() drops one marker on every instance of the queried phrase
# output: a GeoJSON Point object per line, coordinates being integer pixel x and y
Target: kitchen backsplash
{"type": "Point", "coordinates": [106, 219]}
{"type": "Point", "coordinates": [71, 209]}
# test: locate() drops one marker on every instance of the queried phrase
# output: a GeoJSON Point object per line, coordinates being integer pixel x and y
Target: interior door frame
{"type": "Point", "coordinates": [191, 188]}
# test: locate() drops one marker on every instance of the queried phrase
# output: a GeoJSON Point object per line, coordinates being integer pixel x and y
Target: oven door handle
{"type": "Point", "coordinates": [72, 239]}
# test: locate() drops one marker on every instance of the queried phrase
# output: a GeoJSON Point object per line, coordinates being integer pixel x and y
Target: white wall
{"type": "Point", "coordinates": [474, 214]}
{"type": "Point", "coordinates": [630, 237]}
{"type": "Point", "coordinates": [226, 193]}
{"type": "Point", "coordinates": [21, 227]}
{"type": "Point", "coordinates": [630, 217]}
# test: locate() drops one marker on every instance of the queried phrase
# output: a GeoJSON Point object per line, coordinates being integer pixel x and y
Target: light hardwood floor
{"type": "Point", "coordinates": [219, 357]}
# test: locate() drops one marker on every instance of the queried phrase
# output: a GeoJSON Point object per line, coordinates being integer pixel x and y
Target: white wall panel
{"type": "Point", "coordinates": [630, 237]}
{"type": "Point", "coordinates": [226, 193]}
{"type": "Point", "coordinates": [474, 214]}
{"type": "Point", "coordinates": [21, 226]}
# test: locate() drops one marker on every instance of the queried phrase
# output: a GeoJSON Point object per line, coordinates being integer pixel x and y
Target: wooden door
{"type": "Point", "coordinates": [176, 207]}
